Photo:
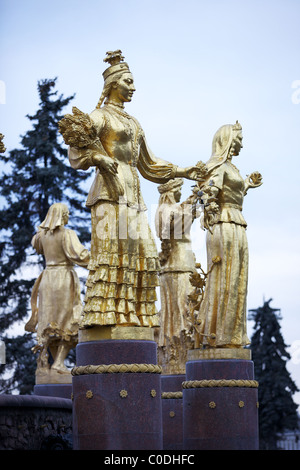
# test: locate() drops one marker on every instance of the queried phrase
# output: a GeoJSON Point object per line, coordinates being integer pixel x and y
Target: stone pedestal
{"type": "Point", "coordinates": [53, 390]}
{"type": "Point", "coordinates": [172, 411]}
{"type": "Point", "coordinates": [220, 407]}
{"type": "Point", "coordinates": [53, 384]}
{"type": "Point", "coordinates": [116, 392]}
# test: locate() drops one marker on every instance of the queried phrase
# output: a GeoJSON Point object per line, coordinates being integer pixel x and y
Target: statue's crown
{"type": "Point", "coordinates": [237, 126]}
{"type": "Point", "coordinates": [115, 59]}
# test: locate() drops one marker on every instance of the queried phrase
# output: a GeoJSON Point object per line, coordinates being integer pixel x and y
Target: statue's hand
{"type": "Point", "coordinates": [197, 173]}
{"type": "Point", "coordinates": [105, 163]}
{"type": "Point", "coordinates": [253, 181]}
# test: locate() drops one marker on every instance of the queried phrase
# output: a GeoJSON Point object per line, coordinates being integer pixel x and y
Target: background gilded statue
{"type": "Point", "coordinates": [122, 281]}
{"type": "Point", "coordinates": [173, 225]}
{"type": "Point", "coordinates": [55, 301]}
{"type": "Point", "coordinates": [222, 314]}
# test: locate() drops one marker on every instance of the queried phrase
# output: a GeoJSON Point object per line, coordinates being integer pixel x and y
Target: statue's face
{"type": "Point", "coordinates": [125, 87]}
{"type": "Point", "coordinates": [66, 217]}
{"type": "Point", "coordinates": [177, 195]}
{"type": "Point", "coordinates": [237, 144]}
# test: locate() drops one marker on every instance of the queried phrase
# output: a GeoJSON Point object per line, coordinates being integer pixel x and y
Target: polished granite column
{"type": "Point", "coordinates": [117, 390]}
{"type": "Point", "coordinates": [220, 402]}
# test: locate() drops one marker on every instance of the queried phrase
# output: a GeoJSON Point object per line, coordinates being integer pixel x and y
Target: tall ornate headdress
{"type": "Point", "coordinates": [115, 59]}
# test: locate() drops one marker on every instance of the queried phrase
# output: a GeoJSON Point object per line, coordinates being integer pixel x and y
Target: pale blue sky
{"type": "Point", "coordinates": [197, 65]}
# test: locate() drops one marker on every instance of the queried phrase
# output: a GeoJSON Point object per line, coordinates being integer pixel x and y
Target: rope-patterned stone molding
{"type": "Point", "coordinates": [117, 369]}
{"type": "Point", "coordinates": [171, 395]}
{"type": "Point", "coordinates": [219, 383]}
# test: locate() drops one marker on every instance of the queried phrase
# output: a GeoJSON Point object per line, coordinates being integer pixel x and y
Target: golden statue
{"type": "Point", "coordinates": [221, 317]}
{"type": "Point", "coordinates": [123, 271]}
{"type": "Point", "coordinates": [55, 300]}
{"type": "Point", "coordinates": [2, 146]}
{"type": "Point", "coordinates": [177, 259]}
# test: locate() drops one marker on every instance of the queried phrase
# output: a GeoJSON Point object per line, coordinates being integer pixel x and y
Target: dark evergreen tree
{"type": "Point", "coordinates": [277, 410]}
{"type": "Point", "coordinates": [39, 174]}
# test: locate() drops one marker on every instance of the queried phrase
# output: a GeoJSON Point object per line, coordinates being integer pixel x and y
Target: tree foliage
{"type": "Point", "coordinates": [277, 410]}
{"type": "Point", "coordinates": [36, 175]}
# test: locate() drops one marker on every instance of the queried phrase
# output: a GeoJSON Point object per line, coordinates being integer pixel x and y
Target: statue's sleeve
{"type": "Point", "coordinates": [217, 177]}
{"type": "Point", "coordinates": [153, 168]}
{"type": "Point", "coordinates": [74, 250]}
{"type": "Point", "coordinates": [81, 159]}
{"type": "Point", "coordinates": [36, 243]}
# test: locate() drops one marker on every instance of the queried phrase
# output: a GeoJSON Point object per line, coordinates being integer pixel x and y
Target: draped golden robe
{"type": "Point", "coordinates": [223, 308]}
{"type": "Point", "coordinates": [123, 271]}
{"type": "Point", "coordinates": [56, 303]}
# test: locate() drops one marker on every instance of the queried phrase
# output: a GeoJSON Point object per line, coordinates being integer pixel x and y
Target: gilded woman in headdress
{"type": "Point", "coordinates": [55, 300]}
{"type": "Point", "coordinates": [222, 314]}
{"type": "Point", "coordinates": [122, 281]}
{"type": "Point", "coordinates": [173, 223]}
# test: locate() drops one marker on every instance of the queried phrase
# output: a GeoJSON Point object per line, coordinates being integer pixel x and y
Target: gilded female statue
{"type": "Point", "coordinates": [222, 314]}
{"type": "Point", "coordinates": [121, 286]}
{"type": "Point", "coordinates": [55, 300]}
{"type": "Point", "coordinates": [2, 146]}
{"type": "Point", "coordinates": [173, 225]}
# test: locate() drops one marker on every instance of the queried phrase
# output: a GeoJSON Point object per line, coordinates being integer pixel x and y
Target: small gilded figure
{"type": "Point", "coordinates": [222, 313]}
{"type": "Point", "coordinates": [173, 225]}
{"type": "Point", "coordinates": [124, 266]}
{"type": "Point", "coordinates": [55, 301]}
